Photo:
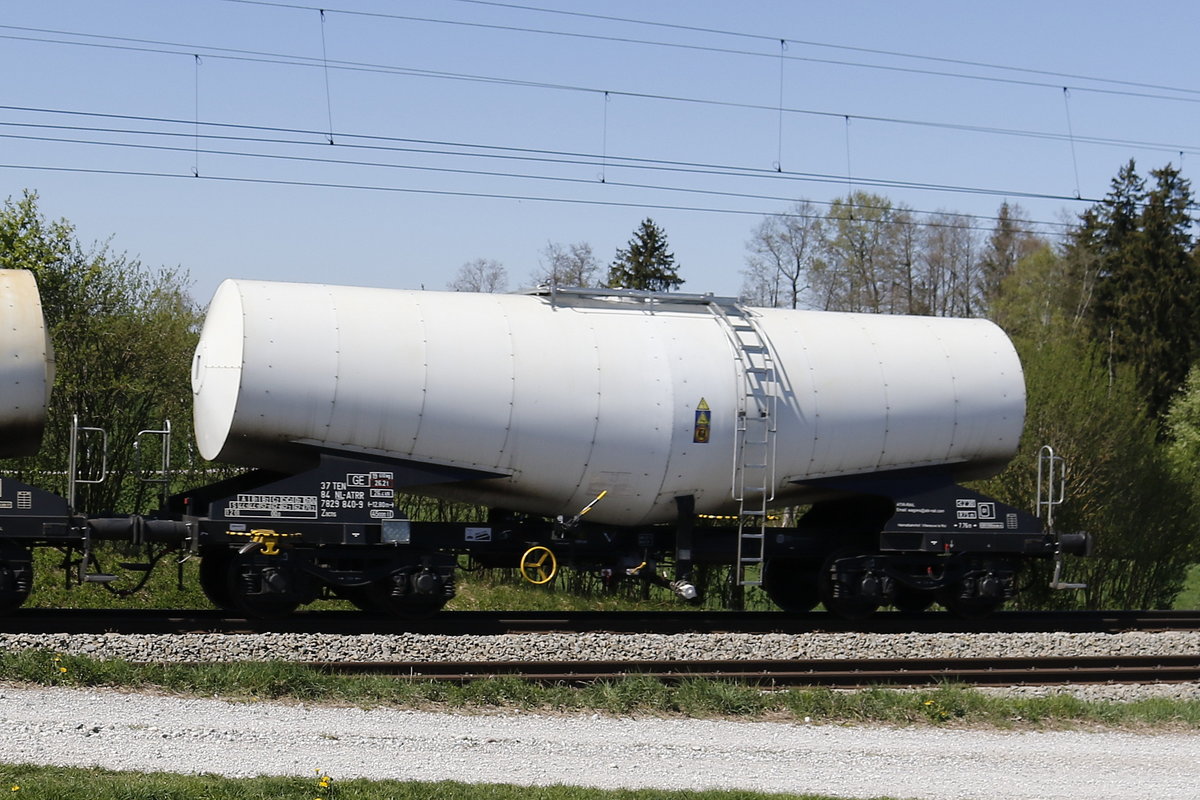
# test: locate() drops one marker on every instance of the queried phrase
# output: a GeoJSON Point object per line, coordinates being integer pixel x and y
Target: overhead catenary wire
{"type": "Point", "coordinates": [606, 161]}
{"type": "Point", "coordinates": [810, 43]}
{"type": "Point", "coordinates": [315, 184]}
{"type": "Point", "coordinates": [1052, 82]}
{"type": "Point", "coordinates": [439, 148]}
{"type": "Point", "coordinates": [296, 60]}
{"type": "Point", "coordinates": [324, 64]}
{"type": "Point", "coordinates": [928, 222]}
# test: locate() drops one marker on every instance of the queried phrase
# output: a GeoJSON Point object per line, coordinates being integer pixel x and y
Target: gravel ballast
{"type": "Point", "coordinates": [601, 646]}
{"type": "Point", "coordinates": [152, 733]}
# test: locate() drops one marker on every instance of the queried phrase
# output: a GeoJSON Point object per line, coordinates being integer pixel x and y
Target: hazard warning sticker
{"type": "Point", "coordinates": [703, 427]}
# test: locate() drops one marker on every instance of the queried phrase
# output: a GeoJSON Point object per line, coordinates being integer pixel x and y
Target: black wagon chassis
{"type": "Point", "coordinates": [271, 541]}
{"type": "Point", "coordinates": [334, 527]}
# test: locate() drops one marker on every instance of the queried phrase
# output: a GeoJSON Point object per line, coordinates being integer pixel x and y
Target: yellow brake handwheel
{"type": "Point", "coordinates": [538, 565]}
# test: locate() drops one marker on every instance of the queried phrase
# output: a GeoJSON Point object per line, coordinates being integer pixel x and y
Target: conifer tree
{"type": "Point", "coordinates": [645, 263]}
{"type": "Point", "coordinates": [1147, 281]}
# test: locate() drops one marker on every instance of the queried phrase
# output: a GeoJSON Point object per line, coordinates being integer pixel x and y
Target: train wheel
{"type": "Point", "coordinates": [358, 596]}
{"type": "Point", "coordinates": [979, 593]}
{"type": "Point", "coordinates": [791, 583]}
{"type": "Point", "coordinates": [257, 590]}
{"type": "Point", "coordinates": [16, 577]}
{"type": "Point", "coordinates": [214, 579]}
{"type": "Point", "coordinates": [377, 598]}
{"type": "Point", "coordinates": [970, 607]}
{"type": "Point", "coordinates": [411, 608]}
{"type": "Point", "coordinates": [846, 594]}
{"type": "Point", "coordinates": [263, 606]}
{"type": "Point", "coordinates": [912, 601]}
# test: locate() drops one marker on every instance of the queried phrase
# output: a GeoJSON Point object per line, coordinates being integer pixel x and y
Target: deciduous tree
{"type": "Point", "coordinates": [783, 250]}
{"type": "Point", "coordinates": [1121, 484]}
{"type": "Point", "coordinates": [863, 265]}
{"type": "Point", "coordinates": [480, 275]}
{"type": "Point", "coordinates": [568, 265]}
{"type": "Point", "coordinates": [1011, 240]}
{"type": "Point", "coordinates": [123, 337]}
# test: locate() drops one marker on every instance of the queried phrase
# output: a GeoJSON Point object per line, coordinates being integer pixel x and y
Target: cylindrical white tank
{"type": "Point", "coordinates": [570, 396]}
{"type": "Point", "coordinates": [27, 359]}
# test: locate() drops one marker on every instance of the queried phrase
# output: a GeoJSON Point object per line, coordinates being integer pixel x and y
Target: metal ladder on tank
{"type": "Point", "coordinates": [754, 443]}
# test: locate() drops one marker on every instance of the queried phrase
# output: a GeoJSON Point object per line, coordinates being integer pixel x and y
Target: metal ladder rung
{"type": "Point", "coordinates": [754, 455]}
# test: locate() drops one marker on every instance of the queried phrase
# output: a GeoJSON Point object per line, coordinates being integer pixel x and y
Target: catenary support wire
{"type": "Point", "coordinates": [325, 64]}
{"type": "Point", "coordinates": [1071, 137]}
{"type": "Point", "coordinates": [779, 133]}
{"type": "Point", "coordinates": [196, 132]}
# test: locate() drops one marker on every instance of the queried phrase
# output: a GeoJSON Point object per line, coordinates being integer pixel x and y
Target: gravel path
{"type": "Point", "coordinates": [145, 733]}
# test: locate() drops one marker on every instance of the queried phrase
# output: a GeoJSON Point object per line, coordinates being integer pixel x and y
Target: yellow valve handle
{"type": "Point", "coordinates": [534, 567]}
{"type": "Point", "coordinates": [266, 540]}
{"type": "Point", "coordinates": [588, 507]}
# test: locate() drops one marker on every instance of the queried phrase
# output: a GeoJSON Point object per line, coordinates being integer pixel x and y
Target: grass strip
{"type": "Point", "coordinates": [26, 782]}
{"type": "Point", "coordinates": [634, 695]}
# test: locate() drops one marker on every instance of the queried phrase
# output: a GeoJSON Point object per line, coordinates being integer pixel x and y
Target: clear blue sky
{"type": "Point", "coordinates": [493, 133]}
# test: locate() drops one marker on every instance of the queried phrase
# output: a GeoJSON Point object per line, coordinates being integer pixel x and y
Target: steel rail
{"type": "Point", "coordinates": [837, 673]}
{"type": "Point", "coordinates": [30, 620]}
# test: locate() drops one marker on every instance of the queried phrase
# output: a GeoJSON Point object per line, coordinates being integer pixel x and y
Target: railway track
{"type": "Point", "coordinates": [481, 623]}
{"type": "Point", "coordinates": [837, 673]}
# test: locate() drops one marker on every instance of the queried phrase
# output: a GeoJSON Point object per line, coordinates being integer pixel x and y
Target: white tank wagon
{"type": "Point", "coordinates": [26, 364]}
{"type": "Point", "coordinates": [644, 411]}
{"type": "Point", "coordinates": [641, 410]}
{"type": "Point", "coordinates": [564, 397]}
